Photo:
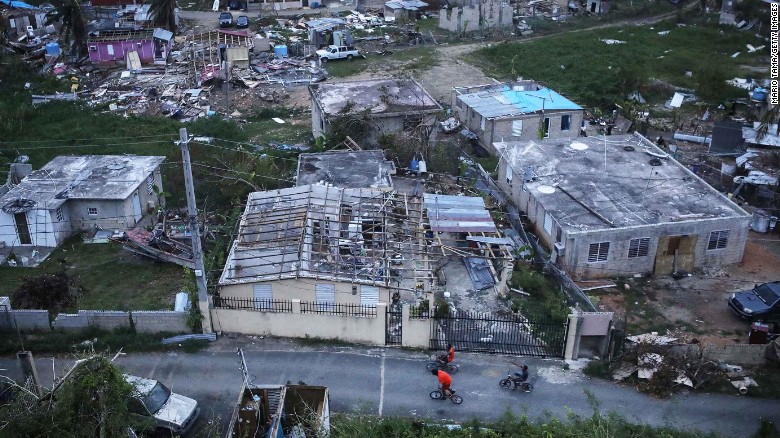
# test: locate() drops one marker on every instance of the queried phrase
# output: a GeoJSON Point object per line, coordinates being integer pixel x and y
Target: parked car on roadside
{"type": "Point", "coordinates": [225, 19]}
{"type": "Point", "coordinates": [242, 22]}
{"type": "Point", "coordinates": [172, 412]}
{"type": "Point", "coordinates": [760, 303]}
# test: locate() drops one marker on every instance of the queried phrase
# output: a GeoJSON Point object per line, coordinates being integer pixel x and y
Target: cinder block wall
{"type": "Point", "coordinates": [24, 320]}
{"type": "Point", "coordinates": [739, 354]}
{"type": "Point", "coordinates": [105, 319]}
{"type": "Point", "coordinates": [160, 321]}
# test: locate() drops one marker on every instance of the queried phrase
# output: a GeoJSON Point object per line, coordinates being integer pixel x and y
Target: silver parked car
{"type": "Point", "coordinates": [172, 412]}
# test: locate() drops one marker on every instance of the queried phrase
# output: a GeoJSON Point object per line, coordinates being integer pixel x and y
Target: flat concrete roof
{"type": "Point", "coordinates": [595, 183]}
{"type": "Point", "coordinates": [83, 177]}
{"type": "Point", "coordinates": [347, 169]}
{"type": "Point", "coordinates": [378, 96]}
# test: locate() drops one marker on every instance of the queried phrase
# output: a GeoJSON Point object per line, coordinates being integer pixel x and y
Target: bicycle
{"type": "Point", "coordinates": [438, 364]}
{"type": "Point", "coordinates": [438, 395]}
{"type": "Point", "coordinates": [514, 382]}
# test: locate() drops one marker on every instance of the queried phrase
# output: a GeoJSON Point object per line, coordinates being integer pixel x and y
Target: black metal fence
{"type": "Point", "coordinates": [394, 327]}
{"type": "Point", "coordinates": [252, 304]}
{"type": "Point", "coordinates": [419, 312]}
{"type": "Point", "coordinates": [488, 333]}
{"type": "Point", "coordinates": [339, 309]}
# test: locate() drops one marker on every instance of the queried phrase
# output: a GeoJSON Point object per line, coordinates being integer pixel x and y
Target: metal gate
{"type": "Point", "coordinates": [394, 327]}
{"type": "Point", "coordinates": [487, 333]}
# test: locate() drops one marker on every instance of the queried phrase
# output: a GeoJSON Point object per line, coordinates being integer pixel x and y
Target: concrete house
{"type": "Point", "coordinates": [20, 18]}
{"type": "Point", "coordinates": [618, 205]}
{"type": "Point", "coordinates": [391, 105]}
{"type": "Point", "coordinates": [346, 169]}
{"type": "Point", "coordinates": [73, 193]}
{"type": "Point", "coordinates": [110, 46]}
{"type": "Point", "coordinates": [522, 110]}
{"type": "Point", "coordinates": [318, 244]}
{"type": "Point", "coordinates": [404, 10]}
{"type": "Point", "coordinates": [598, 6]}
{"type": "Point", "coordinates": [476, 15]}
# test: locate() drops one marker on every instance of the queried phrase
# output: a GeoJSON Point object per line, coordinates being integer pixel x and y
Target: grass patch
{"type": "Point", "coordinates": [767, 378]}
{"type": "Point", "coordinates": [113, 278]}
{"type": "Point", "coordinates": [100, 340]}
{"type": "Point", "coordinates": [342, 68]}
{"type": "Point", "coordinates": [585, 69]}
{"type": "Point", "coordinates": [598, 369]}
{"type": "Point", "coordinates": [545, 302]}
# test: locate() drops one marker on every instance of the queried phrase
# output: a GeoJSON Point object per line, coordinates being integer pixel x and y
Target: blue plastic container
{"type": "Point", "coordinates": [280, 51]}
{"type": "Point", "coordinates": [759, 94]}
{"type": "Point", "coordinates": [414, 166]}
{"type": "Point", "coordinates": [52, 49]}
{"type": "Point", "coordinates": [315, 5]}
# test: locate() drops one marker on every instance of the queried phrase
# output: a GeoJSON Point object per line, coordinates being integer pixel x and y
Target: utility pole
{"type": "Point", "coordinates": [197, 250]}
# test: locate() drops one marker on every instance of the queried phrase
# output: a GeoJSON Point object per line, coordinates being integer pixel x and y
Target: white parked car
{"type": "Point", "coordinates": [171, 411]}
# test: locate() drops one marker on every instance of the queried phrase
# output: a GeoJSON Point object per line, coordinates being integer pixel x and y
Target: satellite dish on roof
{"type": "Point", "coordinates": [116, 165]}
{"type": "Point", "coordinates": [546, 189]}
{"type": "Point", "coordinates": [578, 146]}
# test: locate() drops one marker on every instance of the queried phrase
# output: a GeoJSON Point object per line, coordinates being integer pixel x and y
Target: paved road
{"type": "Point", "coordinates": [394, 382]}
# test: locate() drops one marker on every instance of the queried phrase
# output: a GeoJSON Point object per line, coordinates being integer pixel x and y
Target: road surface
{"type": "Point", "coordinates": [394, 382]}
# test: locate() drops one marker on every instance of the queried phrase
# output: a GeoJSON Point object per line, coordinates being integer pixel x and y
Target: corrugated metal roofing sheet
{"type": "Point", "coordinates": [458, 214]}
{"type": "Point", "coordinates": [410, 5]}
{"type": "Point", "coordinates": [506, 102]}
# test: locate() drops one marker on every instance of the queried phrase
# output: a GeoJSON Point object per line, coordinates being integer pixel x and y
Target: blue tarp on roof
{"type": "Point", "coordinates": [18, 4]}
{"type": "Point", "coordinates": [532, 101]}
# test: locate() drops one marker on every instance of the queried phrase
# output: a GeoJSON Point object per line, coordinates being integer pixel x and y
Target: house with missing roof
{"type": "Point", "coordinates": [517, 111]}
{"type": "Point", "coordinates": [618, 205]}
{"type": "Point", "coordinates": [346, 169]}
{"type": "Point", "coordinates": [145, 46]}
{"type": "Point", "coordinates": [73, 193]}
{"type": "Point", "coordinates": [404, 10]}
{"type": "Point", "coordinates": [387, 106]}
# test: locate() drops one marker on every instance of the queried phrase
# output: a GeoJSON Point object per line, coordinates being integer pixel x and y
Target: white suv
{"type": "Point", "coordinates": [171, 411]}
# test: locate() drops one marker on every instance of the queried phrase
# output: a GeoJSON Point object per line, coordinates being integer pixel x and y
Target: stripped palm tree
{"type": "Point", "coordinates": [770, 120]}
{"type": "Point", "coordinates": [163, 14]}
{"type": "Point", "coordinates": [74, 24]}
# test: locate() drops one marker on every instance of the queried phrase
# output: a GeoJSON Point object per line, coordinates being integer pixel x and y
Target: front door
{"type": "Point", "coordinates": [675, 254]}
{"type": "Point", "coordinates": [22, 229]}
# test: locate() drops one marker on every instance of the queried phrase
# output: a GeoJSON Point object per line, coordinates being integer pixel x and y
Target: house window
{"type": "Point", "coordinates": [548, 223]}
{"type": "Point", "coordinates": [150, 184]}
{"type": "Point", "coordinates": [60, 216]}
{"type": "Point", "coordinates": [566, 122]}
{"type": "Point", "coordinates": [412, 122]}
{"type": "Point", "coordinates": [369, 295]}
{"type": "Point", "coordinates": [517, 128]}
{"type": "Point", "coordinates": [638, 247]}
{"type": "Point", "coordinates": [508, 174]}
{"type": "Point", "coordinates": [598, 252]}
{"type": "Point", "coordinates": [459, 103]}
{"type": "Point", "coordinates": [263, 296]}
{"type": "Point", "coordinates": [546, 127]}
{"type": "Point", "coordinates": [110, 49]}
{"type": "Point", "coordinates": [93, 48]}
{"type": "Point", "coordinates": [92, 211]}
{"type": "Point", "coordinates": [718, 240]}
{"type": "Point", "coordinates": [482, 121]}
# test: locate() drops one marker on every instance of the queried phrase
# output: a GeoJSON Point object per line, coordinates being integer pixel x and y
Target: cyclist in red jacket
{"type": "Point", "coordinates": [445, 380]}
{"type": "Point", "coordinates": [449, 356]}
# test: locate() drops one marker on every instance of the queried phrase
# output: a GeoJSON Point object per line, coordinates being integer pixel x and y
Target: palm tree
{"type": "Point", "coordinates": [74, 25]}
{"type": "Point", "coordinates": [163, 13]}
{"type": "Point", "coordinates": [770, 117]}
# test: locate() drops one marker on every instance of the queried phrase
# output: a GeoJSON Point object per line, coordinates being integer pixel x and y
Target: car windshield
{"type": "Point", "coordinates": [224, 15]}
{"type": "Point", "coordinates": [766, 294]}
{"type": "Point", "coordinates": [156, 397]}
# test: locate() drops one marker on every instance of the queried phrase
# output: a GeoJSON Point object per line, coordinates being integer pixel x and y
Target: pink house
{"type": "Point", "coordinates": [110, 46]}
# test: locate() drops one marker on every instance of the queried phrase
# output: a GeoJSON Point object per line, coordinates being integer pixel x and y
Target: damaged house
{"type": "Point", "coordinates": [73, 193]}
{"type": "Point", "coordinates": [476, 15]}
{"type": "Point", "coordinates": [522, 110]}
{"type": "Point", "coordinates": [403, 10]}
{"type": "Point", "coordinates": [145, 46]}
{"type": "Point", "coordinates": [386, 106]}
{"type": "Point", "coordinates": [20, 19]}
{"type": "Point", "coordinates": [346, 169]}
{"type": "Point", "coordinates": [618, 205]}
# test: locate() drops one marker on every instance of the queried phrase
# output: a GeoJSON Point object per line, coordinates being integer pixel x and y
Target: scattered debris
{"type": "Point", "coordinates": [610, 41]}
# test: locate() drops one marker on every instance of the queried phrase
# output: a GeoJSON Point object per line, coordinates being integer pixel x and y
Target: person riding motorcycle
{"type": "Point", "coordinates": [445, 380]}
{"type": "Point", "coordinates": [449, 356]}
{"type": "Point", "coordinates": [522, 376]}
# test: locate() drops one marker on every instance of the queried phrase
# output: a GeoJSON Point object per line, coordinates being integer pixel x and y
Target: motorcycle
{"type": "Point", "coordinates": [438, 364]}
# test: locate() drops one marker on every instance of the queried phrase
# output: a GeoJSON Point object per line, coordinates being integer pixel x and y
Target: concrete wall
{"type": "Point", "coordinates": [302, 289]}
{"type": "Point", "coordinates": [478, 15]}
{"type": "Point", "coordinates": [363, 330]}
{"type": "Point", "coordinates": [23, 320]}
{"type": "Point", "coordinates": [160, 321]}
{"type": "Point", "coordinates": [415, 332]}
{"type": "Point", "coordinates": [736, 354]}
{"type": "Point", "coordinates": [43, 232]}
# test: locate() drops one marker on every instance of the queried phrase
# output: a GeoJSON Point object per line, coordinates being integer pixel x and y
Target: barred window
{"type": "Point", "coordinates": [598, 252]}
{"type": "Point", "coordinates": [718, 240]}
{"type": "Point", "coordinates": [150, 184]}
{"type": "Point", "coordinates": [92, 211]}
{"type": "Point", "coordinates": [638, 247]}
{"type": "Point", "coordinates": [60, 215]}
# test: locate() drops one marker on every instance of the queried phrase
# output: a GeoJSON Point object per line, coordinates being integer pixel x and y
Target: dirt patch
{"type": "Point", "coordinates": [694, 307]}
{"type": "Point", "coordinates": [450, 65]}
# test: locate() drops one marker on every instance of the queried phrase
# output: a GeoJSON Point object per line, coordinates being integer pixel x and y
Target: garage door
{"type": "Point", "coordinates": [262, 295]}
{"type": "Point", "coordinates": [369, 295]}
{"type": "Point", "coordinates": [325, 295]}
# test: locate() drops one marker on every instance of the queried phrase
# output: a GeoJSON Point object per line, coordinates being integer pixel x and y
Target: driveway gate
{"type": "Point", "coordinates": [394, 326]}
{"type": "Point", "coordinates": [488, 333]}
